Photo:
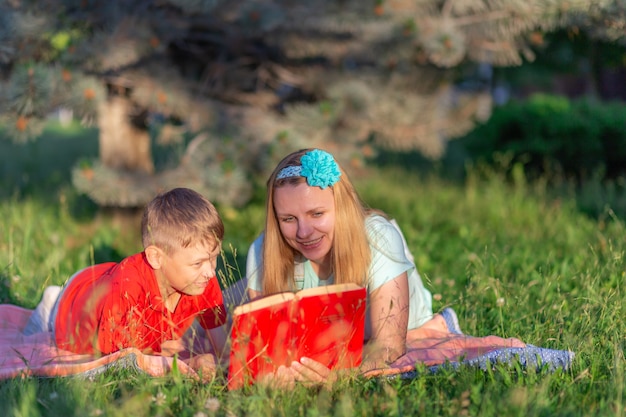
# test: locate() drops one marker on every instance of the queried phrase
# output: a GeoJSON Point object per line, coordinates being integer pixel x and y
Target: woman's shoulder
{"type": "Point", "coordinates": [383, 231]}
{"type": "Point", "coordinates": [377, 223]}
{"type": "Point", "coordinates": [257, 243]}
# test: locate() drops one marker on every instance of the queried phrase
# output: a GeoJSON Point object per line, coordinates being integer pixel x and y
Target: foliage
{"type": "Point", "coordinates": [577, 146]}
{"type": "Point", "coordinates": [566, 53]}
{"type": "Point", "coordinates": [240, 83]}
{"type": "Point", "coordinates": [548, 132]}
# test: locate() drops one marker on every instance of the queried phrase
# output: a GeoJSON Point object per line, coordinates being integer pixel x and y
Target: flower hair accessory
{"type": "Point", "coordinates": [318, 167]}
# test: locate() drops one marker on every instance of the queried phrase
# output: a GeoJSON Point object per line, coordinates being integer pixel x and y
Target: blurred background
{"type": "Point", "coordinates": [103, 104]}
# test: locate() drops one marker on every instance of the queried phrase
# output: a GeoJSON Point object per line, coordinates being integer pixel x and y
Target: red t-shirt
{"type": "Point", "coordinates": [108, 307]}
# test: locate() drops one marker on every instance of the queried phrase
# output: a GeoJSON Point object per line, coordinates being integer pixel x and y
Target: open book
{"type": "Point", "coordinates": [323, 323]}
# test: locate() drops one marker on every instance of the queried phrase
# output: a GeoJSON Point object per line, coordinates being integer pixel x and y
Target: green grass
{"type": "Point", "coordinates": [512, 260]}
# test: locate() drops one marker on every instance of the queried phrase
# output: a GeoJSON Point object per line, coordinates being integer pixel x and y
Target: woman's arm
{"type": "Point", "coordinates": [254, 294]}
{"type": "Point", "coordinates": [389, 316]}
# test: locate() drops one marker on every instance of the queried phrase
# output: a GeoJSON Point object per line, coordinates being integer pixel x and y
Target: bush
{"type": "Point", "coordinates": [552, 134]}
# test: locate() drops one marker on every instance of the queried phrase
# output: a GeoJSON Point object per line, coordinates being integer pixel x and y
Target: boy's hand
{"type": "Point", "coordinates": [172, 347]}
{"type": "Point", "coordinates": [205, 365]}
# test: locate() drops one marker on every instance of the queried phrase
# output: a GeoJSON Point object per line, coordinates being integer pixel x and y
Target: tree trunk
{"type": "Point", "coordinates": [123, 145]}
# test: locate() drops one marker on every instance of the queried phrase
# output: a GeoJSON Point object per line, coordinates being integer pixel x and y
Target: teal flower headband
{"type": "Point", "coordinates": [318, 167]}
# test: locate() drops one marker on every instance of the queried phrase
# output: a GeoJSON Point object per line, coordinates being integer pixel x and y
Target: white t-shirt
{"type": "Point", "coordinates": [390, 258]}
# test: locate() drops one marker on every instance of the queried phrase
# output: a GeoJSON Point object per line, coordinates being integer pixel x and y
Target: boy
{"type": "Point", "coordinates": [149, 299]}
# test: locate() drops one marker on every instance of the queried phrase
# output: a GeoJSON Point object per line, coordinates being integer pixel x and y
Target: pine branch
{"type": "Point", "coordinates": [264, 77]}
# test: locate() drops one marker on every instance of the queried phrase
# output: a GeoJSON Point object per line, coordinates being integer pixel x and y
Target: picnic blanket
{"type": "Point", "coordinates": [36, 355]}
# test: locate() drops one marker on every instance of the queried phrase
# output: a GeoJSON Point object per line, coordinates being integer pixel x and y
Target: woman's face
{"type": "Point", "coordinates": [306, 216]}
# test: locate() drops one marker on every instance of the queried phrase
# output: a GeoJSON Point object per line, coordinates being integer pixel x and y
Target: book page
{"type": "Point", "coordinates": [326, 289]}
{"type": "Point", "coordinates": [263, 303]}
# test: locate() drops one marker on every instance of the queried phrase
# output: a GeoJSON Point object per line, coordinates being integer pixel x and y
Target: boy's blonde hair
{"type": "Point", "coordinates": [180, 218]}
{"type": "Point", "coordinates": [350, 252]}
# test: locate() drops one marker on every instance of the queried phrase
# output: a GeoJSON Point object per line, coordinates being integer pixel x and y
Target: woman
{"type": "Point", "coordinates": [319, 232]}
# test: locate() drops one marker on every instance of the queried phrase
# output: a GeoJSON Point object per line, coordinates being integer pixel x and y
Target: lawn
{"type": "Point", "coordinates": [508, 256]}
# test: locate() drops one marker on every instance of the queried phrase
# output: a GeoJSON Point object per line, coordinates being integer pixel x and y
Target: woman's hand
{"type": "Point", "coordinates": [310, 372]}
{"type": "Point", "coordinates": [282, 378]}
{"type": "Point", "coordinates": [306, 372]}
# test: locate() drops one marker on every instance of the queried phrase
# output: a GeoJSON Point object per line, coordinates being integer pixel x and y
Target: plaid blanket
{"type": "Point", "coordinates": [36, 355]}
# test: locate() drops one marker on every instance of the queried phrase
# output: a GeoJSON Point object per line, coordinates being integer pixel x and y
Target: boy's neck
{"type": "Point", "coordinates": [170, 296]}
{"type": "Point", "coordinates": [171, 301]}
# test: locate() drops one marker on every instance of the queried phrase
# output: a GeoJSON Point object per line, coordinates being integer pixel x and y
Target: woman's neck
{"type": "Point", "coordinates": [323, 270]}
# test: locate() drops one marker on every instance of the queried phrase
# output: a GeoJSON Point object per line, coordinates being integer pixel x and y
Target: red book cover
{"type": "Point", "coordinates": [324, 323]}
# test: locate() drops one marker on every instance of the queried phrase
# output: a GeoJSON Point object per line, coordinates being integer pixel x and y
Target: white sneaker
{"type": "Point", "coordinates": [38, 321]}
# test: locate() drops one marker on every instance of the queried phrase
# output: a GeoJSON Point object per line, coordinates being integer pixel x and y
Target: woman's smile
{"type": "Point", "coordinates": [311, 243]}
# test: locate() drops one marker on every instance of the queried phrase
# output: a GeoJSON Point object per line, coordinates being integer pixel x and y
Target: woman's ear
{"type": "Point", "coordinates": [154, 256]}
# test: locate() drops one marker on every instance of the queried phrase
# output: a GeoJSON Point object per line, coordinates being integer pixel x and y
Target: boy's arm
{"type": "Point", "coordinates": [210, 347]}
{"type": "Point", "coordinates": [212, 355]}
{"type": "Point", "coordinates": [198, 340]}
{"type": "Point", "coordinates": [202, 349]}
{"type": "Point", "coordinates": [217, 339]}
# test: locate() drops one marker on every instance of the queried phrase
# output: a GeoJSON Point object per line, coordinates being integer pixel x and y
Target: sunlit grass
{"type": "Point", "coordinates": [510, 258]}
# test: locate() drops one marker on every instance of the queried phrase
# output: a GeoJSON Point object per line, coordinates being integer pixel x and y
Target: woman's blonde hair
{"type": "Point", "coordinates": [180, 218]}
{"type": "Point", "coordinates": [350, 251]}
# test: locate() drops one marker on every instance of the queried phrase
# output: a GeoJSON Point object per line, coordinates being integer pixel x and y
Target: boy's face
{"type": "Point", "coordinates": [188, 270]}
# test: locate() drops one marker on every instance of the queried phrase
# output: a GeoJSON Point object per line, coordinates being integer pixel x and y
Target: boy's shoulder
{"type": "Point", "coordinates": [132, 278]}
{"type": "Point", "coordinates": [137, 259]}
{"type": "Point", "coordinates": [134, 267]}
{"type": "Point", "coordinates": [131, 274]}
